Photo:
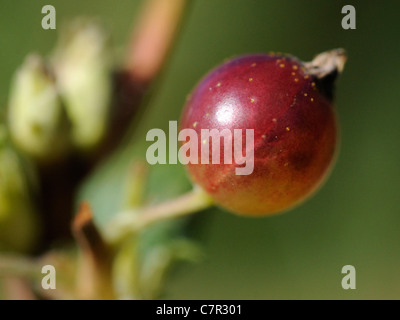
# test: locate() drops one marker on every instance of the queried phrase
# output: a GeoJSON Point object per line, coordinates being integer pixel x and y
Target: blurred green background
{"type": "Point", "coordinates": [354, 219]}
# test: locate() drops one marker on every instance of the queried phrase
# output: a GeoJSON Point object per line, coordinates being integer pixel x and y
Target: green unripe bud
{"type": "Point", "coordinates": [37, 122]}
{"type": "Point", "coordinates": [83, 71]}
{"type": "Point", "coordinates": [18, 219]}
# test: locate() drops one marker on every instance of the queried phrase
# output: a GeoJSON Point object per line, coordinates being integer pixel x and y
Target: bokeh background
{"type": "Point", "coordinates": [354, 219]}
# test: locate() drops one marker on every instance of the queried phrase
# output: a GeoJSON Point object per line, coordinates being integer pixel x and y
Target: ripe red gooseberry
{"type": "Point", "coordinates": [288, 103]}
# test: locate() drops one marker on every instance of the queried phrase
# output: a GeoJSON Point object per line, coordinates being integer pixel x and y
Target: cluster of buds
{"type": "Point", "coordinates": [56, 106]}
{"type": "Point", "coordinates": [58, 117]}
{"type": "Point", "coordinates": [62, 104]}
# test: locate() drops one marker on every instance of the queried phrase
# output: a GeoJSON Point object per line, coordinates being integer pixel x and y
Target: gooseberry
{"type": "Point", "coordinates": [289, 106]}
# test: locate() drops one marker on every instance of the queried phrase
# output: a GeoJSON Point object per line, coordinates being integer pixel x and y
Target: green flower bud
{"type": "Point", "coordinates": [37, 122]}
{"type": "Point", "coordinates": [18, 219]}
{"type": "Point", "coordinates": [82, 63]}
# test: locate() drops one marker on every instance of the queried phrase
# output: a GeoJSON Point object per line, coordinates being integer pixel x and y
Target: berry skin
{"type": "Point", "coordinates": [295, 130]}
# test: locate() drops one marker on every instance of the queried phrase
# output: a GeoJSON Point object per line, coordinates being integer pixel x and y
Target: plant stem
{"type": "Point", "coordinates": [150, 45]}
{"type": "Point", "coordinates": [153, 37]}
{"type": "Point", "coordinates": [94, 276]}
{"type": "Point", "coordinates": [133, 221]}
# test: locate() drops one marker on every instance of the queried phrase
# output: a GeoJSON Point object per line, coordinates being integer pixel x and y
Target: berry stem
{"type": "Point", "coordinates": [133, 221]}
